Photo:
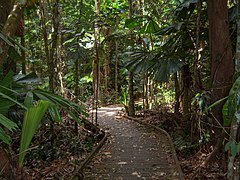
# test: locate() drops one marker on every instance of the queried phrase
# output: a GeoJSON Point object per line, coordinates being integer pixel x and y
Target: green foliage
{"type": "Point", "coordinates": [58, 102]}
{"type": "Point", "coordinates": [7, 100]}
{"type": "Point", "coordinates": [10, 125]}
{"type": "Point", "coordinates": [124, 95]}
{"type": "Point", "coordinates": [150, 26]}
{"type": "Point", "coordinates": [31, 122]}
{"type": "Point", "coordinates": [36, 103]}
{"type": "Point", "coordinates": [158, 64]}
{"type": "Point", "coordinates": [6, 40]}
{"type": "Point", "coordinates": [233, 147]}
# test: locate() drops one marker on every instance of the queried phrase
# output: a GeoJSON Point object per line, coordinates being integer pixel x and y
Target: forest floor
{"type": "Point", "coordinates": [54, 152]}
{"type": "Point", "coordinates": [56, 155]}
{"type": "Point", "coordinates": [190, 152]}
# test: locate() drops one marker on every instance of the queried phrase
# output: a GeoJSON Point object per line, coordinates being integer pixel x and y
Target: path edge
{"type": "Point", "coordinates": [90, 156]}
{"type": "Point", "coordinates": [181, 175]}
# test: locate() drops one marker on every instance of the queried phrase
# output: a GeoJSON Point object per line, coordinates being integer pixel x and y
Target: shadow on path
{"type": "Point", "coordinates": [132, 151]}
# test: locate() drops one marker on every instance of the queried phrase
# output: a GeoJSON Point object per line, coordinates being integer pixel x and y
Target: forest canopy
{"type": "Point", "coordinates": [65, 57]}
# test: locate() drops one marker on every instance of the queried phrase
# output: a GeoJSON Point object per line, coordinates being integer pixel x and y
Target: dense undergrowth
{"type": "Point", "coordinates": [191, 148]}
{"type": "Point", "coordinates": [54, 153]}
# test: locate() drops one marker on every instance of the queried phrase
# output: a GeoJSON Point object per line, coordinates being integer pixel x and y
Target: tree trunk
{"type": "Point", "coordinates": [131, 109]}
{"type": "Point", "coordinates": [221, 59]}
{"type": "Point", "coordinates": [187, 81]}
{"type": "Point", "coordinates": [50, 52]}
{"type": "Point", "coordinates": [77, 90]}
{"type": "Point", "coordinates": [106, 62]}
{"type": "Point", "coordinates": [116, 69]}
{"type": "Point", "coordinates": [59, 65]}
{"type": "Point", "coordinates": [43, 20]}
{"type": "Point", "coordinates": [53, 50]}
{"type": "Point", "coordinates": [10, 26]}
{"type": "Point", "coordinates": [145, 91]}
{"type": "Point", "coordinates": [96, 65]}
{"type": "Point", "coordinates": [177, 95]}
{"type": "Point", "coordinates": [197, 83]}
{"type": "Point", "coordinates": [23, 53]}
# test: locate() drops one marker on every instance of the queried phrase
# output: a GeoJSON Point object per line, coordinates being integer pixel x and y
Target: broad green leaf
{"type": "Point", "coordinates": [4, 137]}
{"type": "Point", "coordinates": [59, 99]}
{"type": "Point", "coordinates": [42, 97]}
{"type": "Point", "coordinates": [31, 122]}
{"type": "Point", "coordinates": [54, 113]}
{"type": "Point", "coordinates": [226, 118]}
{"type": "Point", "coordinates": [29, 78]}
{"type": "Point", "coordinates": [235, 87]}
{"type": "Point", "coordinates": [10, 125]}
{"type": "Point", "coordinates": [4, 38]}
{"type": "Point", "coordinates": [7, 80]}
{"type": "Point", "coordinates": [69, 41]}
{"type": "Point", "coordinates": [233, 149]}
{"type": "Point", "coordinates": [216, 103]}
{"type": "Point", "coordinates": [5, 104]}
{"type": "Point", "coordinates": [227, 146]}
{"type": "Point", "coordinates": [202, 105]}
{"type": "Point", "coordinates": [134, 22]}
{"type": "Point", "coordinates": [150, 27]}
{"type": "Point", "coordinates": [11, 99]}
{"type": "Point", "coordinates": [28, 101]}
{"type": "Point", "coordinates": [18, 44]}
{"type": "Point", "coordinates": [75, 118]}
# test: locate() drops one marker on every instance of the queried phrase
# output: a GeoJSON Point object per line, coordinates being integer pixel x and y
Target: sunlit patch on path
{"type": "Point", "coordinates": [132, 151]}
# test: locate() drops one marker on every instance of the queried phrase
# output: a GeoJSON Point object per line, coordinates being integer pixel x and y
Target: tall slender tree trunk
{"type": "Point", "coordinates": [187, 81]}
{"type": "Point", "coordinates": [116, 69]}
{"type": "Point", "coordinates": [177, 95]}
{"type": "Point", "coordinates": [77, 90]}
{"type": "Point", "coordinates": [131, 109]}
{"type": "Point", "coordinates": [59, 65]}
{"type": "Point", "coordinates": [197, 84]}
{"type": "Point", "coordinates": [50, 48]}
{"type": "Point", "coordinates": [145, 91]}
{"type": "Point", "coordinates": [96, 64]}
{"type": "Point", "coordinates": [53, 50]}
{"type": "Point", "coordinates": [23, 53]}
{"type": "Point", "coordinates": [10, 25]}
{"type": "Point", "coordinates": [106, 61]}
{"type": "Point", "coordinates": [221, 63]}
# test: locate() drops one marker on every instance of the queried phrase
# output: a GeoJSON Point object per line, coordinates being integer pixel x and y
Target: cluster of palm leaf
{"type": "Point", "coordinates": [172, 43]}
{"type": "Point", "coordinates": [19, 92]}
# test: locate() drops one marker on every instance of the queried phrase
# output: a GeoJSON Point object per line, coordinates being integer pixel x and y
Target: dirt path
{"type": "Point", "coordinates": [132, 151]}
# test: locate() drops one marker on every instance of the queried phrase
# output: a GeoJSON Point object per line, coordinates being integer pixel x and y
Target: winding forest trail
{"type": "Point", "coordinates": [132, 151]}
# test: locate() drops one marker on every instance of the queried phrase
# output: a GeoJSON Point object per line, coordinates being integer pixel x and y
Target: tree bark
{"type": "Point", "coordinates": [116, 69]}
{"type": "Point", "coordinates": [50, 48]}
{"type": "Point", "coordinates": [221, 59]}
{"type": "Point", "coordinates": [96, 63]}
{"type": "Point", "coordinates": [131, 109]}
{"type": "Point", "coordinates": [106, 61]}
{"type": "Point", "coordinates": [187, 82]}
{"type": "Point", "coordinates": [10, 28]}
{"type": "Point", "coordinates": [52, 53]}
{"type": "Point", "coordinates": [177, 95]}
